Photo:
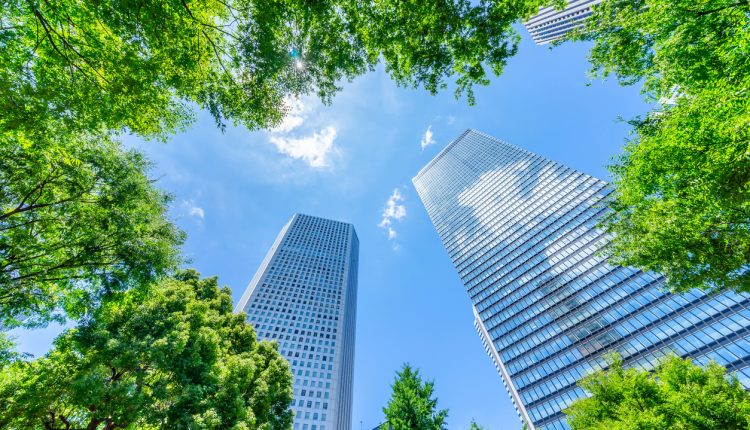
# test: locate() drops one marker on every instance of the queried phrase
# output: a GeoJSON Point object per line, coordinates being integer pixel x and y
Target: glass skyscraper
{"type": "Point", "coordinates": [522, 233]}
{"type": "Point", "coordinates": [551, 24]}
{"type": "Point", "coordinates": [304, 296]}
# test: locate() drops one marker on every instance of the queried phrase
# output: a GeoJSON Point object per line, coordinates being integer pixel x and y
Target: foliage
{"type": "Point", "coordinates": [678, 395]}
{"type": "Point", "coordinates": [141, 66]}
{"type": "Point", "coordinates": [423, 43]}
{"type": "Point", "coordinates": [8, 353]}
{"type": "Point", "coordinates": [78, 218]}
{"type": "Point", "coordinates": [682, 199]}
{"type": "Point", "coordinates": [412, 406]}
{"type": "Point", "coordinates": [474, 426]}
{"type": "Point", "coordinates": [173, 358]}
{"type": "Point", "coordinates": [681, 204]}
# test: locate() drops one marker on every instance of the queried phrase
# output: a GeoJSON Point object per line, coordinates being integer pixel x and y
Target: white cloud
{"type": "Point", "coordinates": [393, 211]}
{"type": "Point", "coordinates": [427, 138]}
{"type": "Point", "coordinates": [313, 149]}
{"type": "Point", "coordinates": [192, 209]}
{"type": "Point", "coordinates": [197, 211]}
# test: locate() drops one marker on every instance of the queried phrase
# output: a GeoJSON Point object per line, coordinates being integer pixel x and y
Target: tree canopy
{"type": "Point", "coordinates": [681, 204]}
{"type": "Point", "coordinates": [474, 426]}
{"type": "Point", "coordinates": [142, 66]}
{"type": "Point", "coordinates": [677, 395]}
{"type": "Point", "coordinates": [8, 353]}
{"type": "Point", "coordinates": [79, 218]}
{"type": "Point", "coordinates": [412, 405]}
{"type": "Point", "coordinates": [175, 357]}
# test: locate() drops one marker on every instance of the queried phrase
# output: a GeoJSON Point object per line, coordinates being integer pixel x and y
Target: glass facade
{"type": "Point", "coordinates": [304, 297]}
{"type": "Point", "coordinates": [551, 24]}
{"type": "Point", "coordinates": [521, 232]}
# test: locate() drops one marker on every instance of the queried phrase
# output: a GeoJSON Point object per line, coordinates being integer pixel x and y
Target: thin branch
{"type": "Point", "coordinates": [39, 206]}
{"type": "Point", "coordinates": [93, 424]}
{"type": "Point", "coordinates": [718, 9]}
{"type": "Point", "coordinates": [65, 421]}
{"type": "Point", "coordinates": [70, 263]}
{"type": "Point", "coordinates": [47, 424]}
{"type": "Point", "coordinates": [38, 188]}
{"type": "Point", "coordinates": [23, 224]}
{"type": "Point", "coordinates": [50, 30]}
{"type": "Point", "coordinates": [33, 206]}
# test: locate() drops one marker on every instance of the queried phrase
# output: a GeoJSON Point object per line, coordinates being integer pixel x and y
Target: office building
{"type": "Point", "coordinates": [551, 24]}
{"type": "Point", "coordinates": [522, 233]}
{"type": "Point", "coordinates": [304, 296]}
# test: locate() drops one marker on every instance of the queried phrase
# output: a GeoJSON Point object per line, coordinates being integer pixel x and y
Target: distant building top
{"type": "Point", "coordinates": [551, 24]}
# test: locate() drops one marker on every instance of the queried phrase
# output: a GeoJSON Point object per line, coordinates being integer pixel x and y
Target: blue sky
{"type": "Point", "coordinates": [235, 190]}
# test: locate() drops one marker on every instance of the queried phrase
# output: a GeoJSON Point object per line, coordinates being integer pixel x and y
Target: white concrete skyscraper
{"type": "Point", "coordinates": [551, 24]}
{"type": "Point", "coordinates": [304, 296]}
{"type": "Point", "coordinates": [522, 233]}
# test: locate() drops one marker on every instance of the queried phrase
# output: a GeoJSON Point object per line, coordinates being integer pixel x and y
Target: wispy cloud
{"type": "Point", "coordinates": [393, 211]}
{"type": "Point", "coordinates": [314, 148]}
{"type": "Point", "coordinates": [427, 138]}
{"type": "Point", "coordinates": [191, 209]}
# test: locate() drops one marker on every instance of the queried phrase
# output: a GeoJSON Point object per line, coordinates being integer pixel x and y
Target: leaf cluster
{"type": "Point", "coordinates": [424, 43]}
{"type": "Point", "coordinates": [681, 204]}
{"type": "Point", "coordinates": [8, 353]}
{"type": "Point", "coordinates": [682, 194]}
{"type": "Point", "coordinates": [79, 219]}
{"type": "Point", "coordinates": [677, 395]}
{"type": "Point", "coordinates": [175, 357]}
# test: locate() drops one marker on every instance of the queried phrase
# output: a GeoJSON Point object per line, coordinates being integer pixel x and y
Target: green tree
{"type": "Point", "coordinates": [412, 405]}
{"type": "Point", "coordinates": [142, 66]}
{"type": "Point", "coordinates": [677, 395]}
{"type": "Point", "coordinates": [474, 426]}
{"type": "Point", "coordinates": [78, 218]}
{"type": "Point", "coordinates": [681, 204]}
{"type": "Point", "coordinates": [175, 357]}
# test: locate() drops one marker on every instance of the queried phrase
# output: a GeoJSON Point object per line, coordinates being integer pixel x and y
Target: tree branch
{"type": "Point", "coordinates": [65, 421]}
{"type": "Point", "coordinates": [38, 188]}
{"type": "Point", "coordinates": [69, 263]}
{"type": "Point", "coordinates": [34, 207]}
{"type": "Point", "coordinates": [210, 40]}
{"type": "Point", "coordinates": [32, 221]}
{"type": "Point", "coordinates": [700, 13]}
{"type": "Point", "coordinates": [49, 31]}
{"type": "Point", "coordinates": [93, 423]}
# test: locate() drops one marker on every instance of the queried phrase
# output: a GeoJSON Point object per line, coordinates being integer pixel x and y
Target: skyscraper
{"type": "Point", "coordinates": [304, 296]}
{"type": "Point", "coordinates": [551, 24]}
{"type": "Point", "coordinates": [521, 231]}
